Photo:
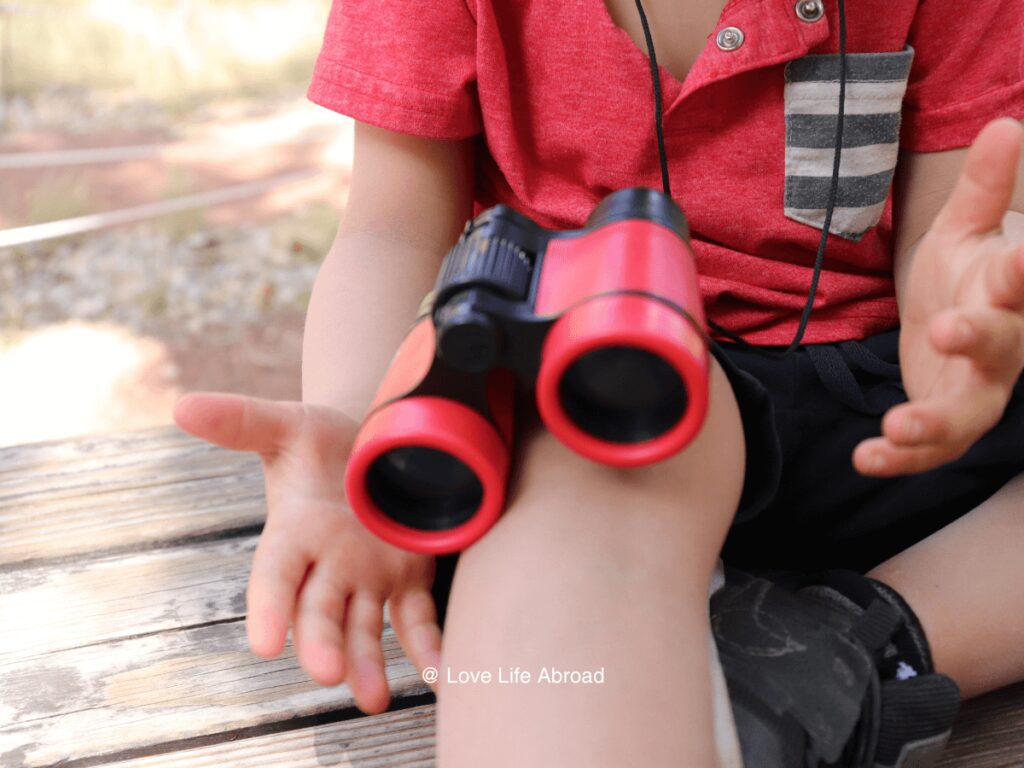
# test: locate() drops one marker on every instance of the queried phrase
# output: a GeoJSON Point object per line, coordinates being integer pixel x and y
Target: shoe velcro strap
{"type": "Point", "coordinates": [876, 626]}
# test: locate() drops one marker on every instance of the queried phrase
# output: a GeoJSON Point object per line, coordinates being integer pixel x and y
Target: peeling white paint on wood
{"type": "Point", "coordinates": [72, 604]}
{"type": "Point", "coordinates": [127, 694]}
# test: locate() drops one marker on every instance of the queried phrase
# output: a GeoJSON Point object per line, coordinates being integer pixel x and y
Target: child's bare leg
{"type": "Point", "coordinates": [963, 584]}
{"type": "Point", "coordinates": [594, 567]}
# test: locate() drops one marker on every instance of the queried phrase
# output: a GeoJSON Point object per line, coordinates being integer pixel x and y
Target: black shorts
{"type": "Point", "coordinates": [804, 507]}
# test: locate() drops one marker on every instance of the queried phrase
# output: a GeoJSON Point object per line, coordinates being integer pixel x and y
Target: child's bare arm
{"type": "Point", "coordinates": [316, 568]}
{"type": "Point", "coordinates": [408, 202]}
{"type": "Point", "coordinates": [959, 270]}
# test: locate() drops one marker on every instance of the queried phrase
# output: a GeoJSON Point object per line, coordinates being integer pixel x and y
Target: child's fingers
{"type": "Point", "coordinates": [992, 338]}
{"type": "Point", "coordinates": [954, 421]}
{"type": "Point", "coordinates": [982, 193]}
{"type": "Point", "coordinates": [238, 422]}
{"type": "Point", "coordinates": [364, 659]}
{"type": "Point", "coordinates": [878, 457]}
{"type": "Point", "coordinates": [278, 568]}
{"type": "Point", "coordinates": [910, 425]}
{"type": "Point", "coordinates": [414, 617]}
{"type": "Point", "coordinates": [320, 615]}
{"type": "Point", "coordinates": [1004, 277]}
{"type": "Point", "coordinates": [922, 435]}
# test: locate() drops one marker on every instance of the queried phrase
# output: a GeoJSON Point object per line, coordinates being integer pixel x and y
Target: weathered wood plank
{"type": "Point", "coordinates": [69, 604]}
{"type": "Point", "coordinates": [402, 739]}
{"type": "Point", "coordinates": [144, 691]}
{"type": "Point", "coordinates": [116, 651]}
{"type": "Point", "coordinates": [83, 497]}
{"type": "Point", "coordinates": [989, 733]}
{"type": "Point", "coordinates": [94, 449]}
{"type": "Point", "coordinates": [61, 661]}
{"type": "Point", "coordinates": [406, 738]}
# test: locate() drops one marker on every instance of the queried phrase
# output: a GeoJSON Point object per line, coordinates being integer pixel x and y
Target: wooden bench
{"type": "Point", "coordinates": [123, 566]}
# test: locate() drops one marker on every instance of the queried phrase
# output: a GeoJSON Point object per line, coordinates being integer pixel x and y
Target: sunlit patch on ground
{"type": "Point", "coordinates": [77, 378]}
{"type": "Point", "coordinates": [174, 99]}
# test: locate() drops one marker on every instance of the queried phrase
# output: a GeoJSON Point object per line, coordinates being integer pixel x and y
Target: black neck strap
{"type": "Point", "coordinates": [833, 189]}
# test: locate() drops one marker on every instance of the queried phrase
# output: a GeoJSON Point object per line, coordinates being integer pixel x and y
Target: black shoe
{"type": "Point", "coordinates": [832, 673]}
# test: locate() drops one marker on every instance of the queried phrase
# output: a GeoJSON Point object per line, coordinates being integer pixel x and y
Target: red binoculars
{"type": "Point", "coordinates": [605, 322]}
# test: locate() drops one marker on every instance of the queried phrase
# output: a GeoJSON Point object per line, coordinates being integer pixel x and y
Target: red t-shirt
{"type": "Point", "coordinates": [560, 101]}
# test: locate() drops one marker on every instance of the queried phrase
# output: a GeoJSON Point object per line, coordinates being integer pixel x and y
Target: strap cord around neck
{"type": "Point", "coordinates": [833, 188]}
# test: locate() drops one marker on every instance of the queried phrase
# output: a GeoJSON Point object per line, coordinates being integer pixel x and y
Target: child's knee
{"type": "Point", "coordinates": [552, 482]}
{"type": "Point", "coordinates": [569, 519]}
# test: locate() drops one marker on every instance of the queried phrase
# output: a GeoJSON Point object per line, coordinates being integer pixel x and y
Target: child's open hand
{"type": "Point", "coordinates": [962, 335]}
{"type": "Point", "coordinates": [316, 567]}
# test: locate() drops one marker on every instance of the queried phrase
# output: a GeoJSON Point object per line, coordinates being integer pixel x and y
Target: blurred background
{"type": "Point", "coordinates": [166, 197]}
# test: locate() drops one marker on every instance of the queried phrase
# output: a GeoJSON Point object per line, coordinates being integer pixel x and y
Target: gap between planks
{"type": "Point", "coordinates": [400, 739]}
{"type": "Point", "coordinates": [130, 694]}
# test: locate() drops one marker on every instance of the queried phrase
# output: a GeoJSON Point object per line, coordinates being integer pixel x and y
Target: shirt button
{"type": "Point", "coordinates": [809, 10]}
{"type": "Point", "coordinates": [730, 38]}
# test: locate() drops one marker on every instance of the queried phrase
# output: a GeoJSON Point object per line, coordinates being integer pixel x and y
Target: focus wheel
{"type": "Point", "coordinates": [480, 260]}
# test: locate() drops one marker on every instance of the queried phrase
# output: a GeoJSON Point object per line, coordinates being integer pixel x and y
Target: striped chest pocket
{"type": "Point", "coordinates": [875, 84]}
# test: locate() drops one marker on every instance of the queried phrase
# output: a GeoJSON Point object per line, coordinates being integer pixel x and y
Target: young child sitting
{"type": "Point", "coordinates": [888, 443]}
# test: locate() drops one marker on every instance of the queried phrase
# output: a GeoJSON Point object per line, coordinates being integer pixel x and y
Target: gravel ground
{"type": "Point", "coordinates": [79, 110]}
{"type": "Point", "coordinates": [147, 279]}
{"type": "Point", "coordinates": [104, 333]}
{"type": "Point", "coordinates": [101, 332]}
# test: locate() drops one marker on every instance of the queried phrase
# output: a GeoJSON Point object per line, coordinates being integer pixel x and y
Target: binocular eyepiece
{"type": "Point", "coordinates": [605, 323]}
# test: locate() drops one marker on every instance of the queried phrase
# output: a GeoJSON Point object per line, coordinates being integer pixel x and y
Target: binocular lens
{"type": "Point", "coordinates": [622, 394]}
{"type": "Point", "coordinates": [424, 488]}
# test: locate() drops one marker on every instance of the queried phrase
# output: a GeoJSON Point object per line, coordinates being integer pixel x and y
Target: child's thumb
{"type": "Point", "coordinates": [984, 189]}
{"type": "Point", "coordinates": [238, 422]}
